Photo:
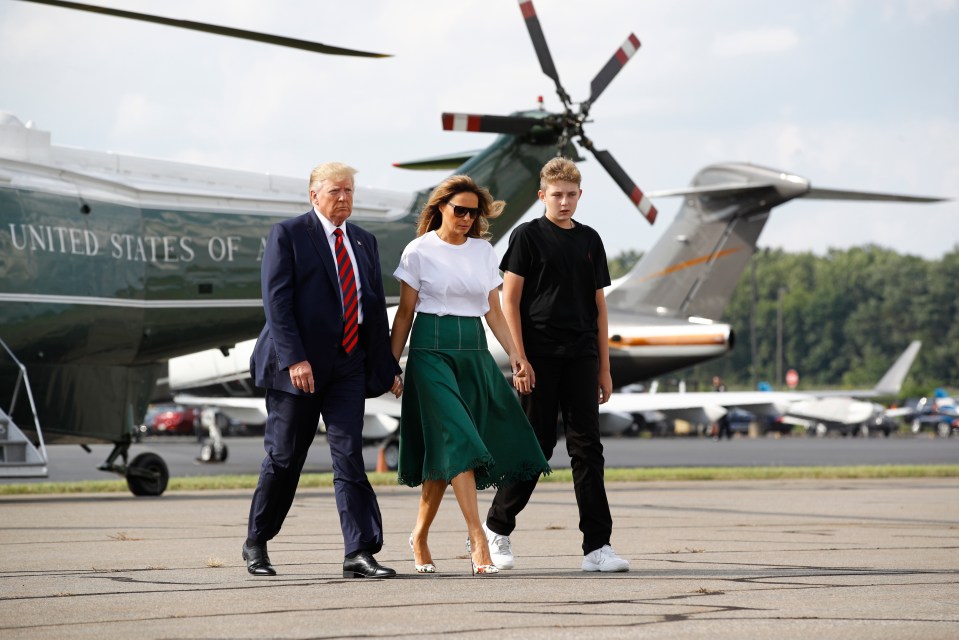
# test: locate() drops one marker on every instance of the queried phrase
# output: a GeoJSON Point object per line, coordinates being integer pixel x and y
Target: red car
{"type": "Point", "coordinates": [176, 420]}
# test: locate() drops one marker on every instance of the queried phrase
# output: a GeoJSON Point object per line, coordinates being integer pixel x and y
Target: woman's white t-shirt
{"type": "Point", "coordinates": [452, 279]}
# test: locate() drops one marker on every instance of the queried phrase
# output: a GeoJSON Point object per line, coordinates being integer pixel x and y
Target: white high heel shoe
{"type": "Point", "coordinates": [429, 567]}
{"type": "Point", "coordinates": [481, 569]}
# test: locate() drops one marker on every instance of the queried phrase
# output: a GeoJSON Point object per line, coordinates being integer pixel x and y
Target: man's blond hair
{"type": "Point", "coordinates": [559, 169]}
{"type": "Point", "coordinates": [330, 171]}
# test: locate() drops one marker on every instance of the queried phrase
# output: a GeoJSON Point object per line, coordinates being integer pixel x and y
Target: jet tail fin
{"type": "Point", "coordinates": [891, 382]}
{"type": "Point", "coordinates": [694, 268]}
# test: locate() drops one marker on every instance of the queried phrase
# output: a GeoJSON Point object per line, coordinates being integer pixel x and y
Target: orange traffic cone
{"type": "Point", "coordinates": [381, 461]}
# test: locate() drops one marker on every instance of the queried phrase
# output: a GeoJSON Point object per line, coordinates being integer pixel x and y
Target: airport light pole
{"type": "Point", "coordinates": [779, 336]}
{"type": "Point", "coordinates": [753, 348]}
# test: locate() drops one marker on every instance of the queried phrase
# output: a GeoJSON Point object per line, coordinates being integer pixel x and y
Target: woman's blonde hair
{"type": "Point", "coordinates": [431, 218]}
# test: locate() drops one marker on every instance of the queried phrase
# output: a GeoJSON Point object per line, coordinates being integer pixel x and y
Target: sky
{"type": "Point", "coordinates": [851, 94]}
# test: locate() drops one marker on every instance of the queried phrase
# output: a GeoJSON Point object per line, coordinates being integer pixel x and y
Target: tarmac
{"type": "Point", "coordinates": [753, 559]}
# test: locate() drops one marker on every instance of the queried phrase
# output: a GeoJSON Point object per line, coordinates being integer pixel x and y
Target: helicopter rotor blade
{"type": "Point", "coordinates": [512, 125]}
{"type": "Point", "coordinates": [542, 49]}
{"type": "Point", "coordinates": [625, 183]}
{"type": "Point", "coordinates": [612, 67]}
{"type": "Point", "coordinates": [242, 34]}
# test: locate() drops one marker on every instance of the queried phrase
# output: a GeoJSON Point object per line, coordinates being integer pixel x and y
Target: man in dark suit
{"type": "Point", "coordinates": [324, 349]}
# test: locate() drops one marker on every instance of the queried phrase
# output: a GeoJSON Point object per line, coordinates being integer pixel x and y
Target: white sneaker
{"type": "Point", "coordinates": [604, 559]}
{"type": "Point", "coordinates": [500, 551]}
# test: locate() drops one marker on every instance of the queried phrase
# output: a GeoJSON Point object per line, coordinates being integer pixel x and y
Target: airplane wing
{"type": "Point", "coordinates": [707, 407]}
{"type": "Point", "coordinates": [703, 406]}
{"type": "Point", "coordinates": [827, 406]}
{"type": "Point", "coordinates": [380, 421]}
{"type": "Point", "coordinates": [900, 412]}
{"type": "Point", "coordinates": [387, 405]}
{"type": "Point", "coordinates": [245, 410]}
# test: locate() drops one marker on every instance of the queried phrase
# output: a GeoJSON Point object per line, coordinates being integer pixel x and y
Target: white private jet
{"type": "Point", "coordinates": [819, 411]}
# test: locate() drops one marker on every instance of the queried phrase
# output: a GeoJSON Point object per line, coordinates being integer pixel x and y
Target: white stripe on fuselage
{"type": "Point", "coordinates": [130, 302]}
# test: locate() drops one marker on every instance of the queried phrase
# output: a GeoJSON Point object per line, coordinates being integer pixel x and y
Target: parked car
{"type": "Point", "coordinates": [944, 420]}
{"type": "Point", "coordinates": [145, 428]}
{"type": "Point", "coordinates": [175, 419]}
{"type": "Point", "coordinates": [741, 420]}
{"type": "Point", "coordinates": [879, 424]}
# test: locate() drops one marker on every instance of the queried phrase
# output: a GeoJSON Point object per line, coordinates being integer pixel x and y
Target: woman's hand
{"type": "Point", "coordinates": [523, 377]}
{"type": "Point", "coordinates": [397, 387]}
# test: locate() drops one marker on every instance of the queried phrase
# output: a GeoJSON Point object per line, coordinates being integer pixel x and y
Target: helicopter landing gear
{"type": "Point", "coordinates": [146, 474]}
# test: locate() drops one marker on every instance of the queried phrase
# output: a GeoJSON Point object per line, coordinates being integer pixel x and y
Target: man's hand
{"type": "Point", "coordinates": [301, 375]}
{"type": "Point", "coordinates": [605, 386]}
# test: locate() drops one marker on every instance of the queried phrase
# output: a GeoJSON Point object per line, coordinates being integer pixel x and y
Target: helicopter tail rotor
{"type": "Point", "coordinates": [511, 125]}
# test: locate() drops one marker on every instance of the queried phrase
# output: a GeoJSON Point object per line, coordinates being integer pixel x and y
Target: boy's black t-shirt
{"type": "Point", "coordinates": [562, 269]}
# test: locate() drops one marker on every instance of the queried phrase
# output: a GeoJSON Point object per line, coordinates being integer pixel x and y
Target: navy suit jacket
{"type": "Point", "coordinates": [304, 314]}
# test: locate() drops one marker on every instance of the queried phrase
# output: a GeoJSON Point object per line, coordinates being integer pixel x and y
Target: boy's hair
{"type": "Point", "coordinates": [559, 169]}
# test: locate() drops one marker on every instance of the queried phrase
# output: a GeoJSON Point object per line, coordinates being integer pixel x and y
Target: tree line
{"type": "Point", "coordinates": [845, 317]}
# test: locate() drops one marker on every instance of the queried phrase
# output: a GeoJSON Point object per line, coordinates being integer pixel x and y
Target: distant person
{"type": "Point", "coordinates": [555, 271]}
{"type": "Point", "coordinates": [722, 427]}
{"type": "Point", "coordinates": [325, 348]}
{"type": "Point", "coordinates": [461, 424]}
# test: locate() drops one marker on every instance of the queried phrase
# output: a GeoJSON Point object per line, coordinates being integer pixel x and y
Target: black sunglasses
{"type": "Point", "coordinates": [462, 212]}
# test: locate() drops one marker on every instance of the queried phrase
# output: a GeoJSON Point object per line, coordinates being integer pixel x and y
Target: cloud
{"type": "Point", "coordinates": [135, 116]}
{"type": "Point", "coordinates": [921, 11]}
{"type": "Point", "coordinates": [755, 41]}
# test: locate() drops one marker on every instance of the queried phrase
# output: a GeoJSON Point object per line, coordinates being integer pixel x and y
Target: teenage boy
{"type": "Point", "coordinates": [554, 273]}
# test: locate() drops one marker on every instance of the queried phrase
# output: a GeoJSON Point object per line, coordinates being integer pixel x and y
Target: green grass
{"type": "Point", "coordinates": [654, 474]}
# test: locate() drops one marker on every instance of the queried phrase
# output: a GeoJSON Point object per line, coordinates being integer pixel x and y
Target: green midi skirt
{"type": "Point", "coordinates": [459, 412]}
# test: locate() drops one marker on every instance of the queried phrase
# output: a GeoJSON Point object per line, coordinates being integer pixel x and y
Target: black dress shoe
{"type": "Point", "coordinates": [364, 565]}
{"type": "Point", "coordinates": [257, 562]}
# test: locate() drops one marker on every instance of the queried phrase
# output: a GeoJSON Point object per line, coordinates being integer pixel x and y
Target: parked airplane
{"type": "Point", "coordinates": [110, 265]}
{"type": "Point", "coordinates": [818, 411]}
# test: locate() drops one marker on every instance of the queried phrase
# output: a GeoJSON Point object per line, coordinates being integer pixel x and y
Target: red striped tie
{"type": "Point", "coordinates": [348, 289]}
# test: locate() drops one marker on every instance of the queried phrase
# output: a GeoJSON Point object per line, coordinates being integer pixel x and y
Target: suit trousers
{"type": "Point", "coordinates": [570, 386]}
{"type": "Point", "coordinates": [290, 428]}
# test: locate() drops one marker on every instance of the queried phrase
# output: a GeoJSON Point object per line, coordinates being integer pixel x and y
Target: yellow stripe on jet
{"type": "Point", "coordinates": [693, 262]}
